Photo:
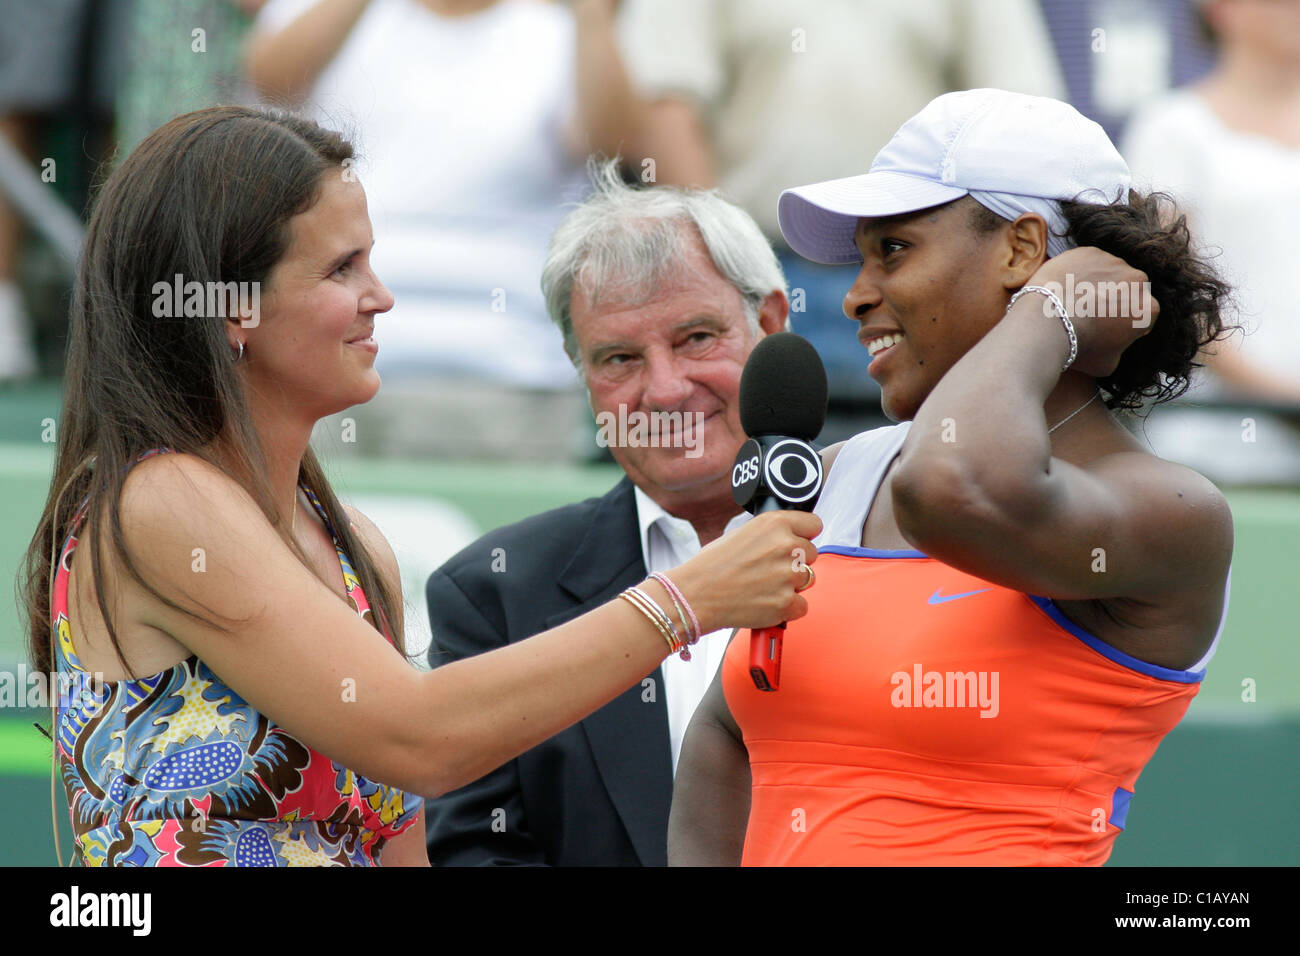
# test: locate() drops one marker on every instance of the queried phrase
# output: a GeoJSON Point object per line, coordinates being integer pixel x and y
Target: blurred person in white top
{"type": "Point", "coordinates": [466, 114]}
{"type": "Point", "coordinates": [1228, 149]}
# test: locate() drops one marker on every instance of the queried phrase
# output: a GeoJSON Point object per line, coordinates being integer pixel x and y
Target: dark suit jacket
{"type": "Point", "coordinates": [597, 793]}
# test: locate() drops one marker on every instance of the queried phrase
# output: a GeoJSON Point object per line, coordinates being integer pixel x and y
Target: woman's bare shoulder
{"type": "Point", "coordinates": [180, 513]}
{"type": "Point", "coordinates": [161, 484]}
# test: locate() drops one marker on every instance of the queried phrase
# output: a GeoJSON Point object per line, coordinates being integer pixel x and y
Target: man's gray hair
{"type": "Point", "coordinates": [635, 239]}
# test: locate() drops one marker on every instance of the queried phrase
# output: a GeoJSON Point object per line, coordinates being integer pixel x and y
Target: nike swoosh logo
{"type": "Point", "coordinates": [936, 599]}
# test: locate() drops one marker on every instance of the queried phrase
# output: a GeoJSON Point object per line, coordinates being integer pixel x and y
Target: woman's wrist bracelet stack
{"type": "Point", "coordinates": [684, 611]}
{"type": "Point", "coordinates": [1064, 316]}
{"type": "Point", "coordinates": [656, 615]}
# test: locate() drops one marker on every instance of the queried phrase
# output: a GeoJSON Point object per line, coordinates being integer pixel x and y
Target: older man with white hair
{"type": "Point", "coordinates": [660, 296]}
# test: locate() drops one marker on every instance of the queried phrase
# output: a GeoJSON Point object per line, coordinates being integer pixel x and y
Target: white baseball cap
{"type": "Point", "coordinates": [1011, 152]}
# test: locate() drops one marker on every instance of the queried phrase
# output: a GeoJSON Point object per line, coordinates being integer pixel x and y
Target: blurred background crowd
{"type": "Point", "coordinates": [474, 119]}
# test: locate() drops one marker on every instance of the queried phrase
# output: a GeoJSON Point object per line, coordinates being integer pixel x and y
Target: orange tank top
{"type": "Point", "coordinates": [929, 717]}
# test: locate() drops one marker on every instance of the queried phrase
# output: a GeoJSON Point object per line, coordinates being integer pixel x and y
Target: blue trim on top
{"type": "Point", "coordinates": [1049, 607]}
{"type": "Point", "coordinates": [1114, 653]}
{"type": "Point", "coordinates": [869, 552]}
{"type": "Point", "coordinates": [1119, 807]}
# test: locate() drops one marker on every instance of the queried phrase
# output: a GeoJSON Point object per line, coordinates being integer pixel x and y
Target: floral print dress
{"type": "Point", "coordinates": [177, 769]}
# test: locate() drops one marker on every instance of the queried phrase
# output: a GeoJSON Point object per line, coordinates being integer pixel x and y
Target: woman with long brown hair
{"type": "Point", "coordinates": [229, 629]}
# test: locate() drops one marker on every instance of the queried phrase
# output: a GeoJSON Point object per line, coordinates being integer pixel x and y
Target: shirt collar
{"type": "Point", "coordinates": [649, 514]}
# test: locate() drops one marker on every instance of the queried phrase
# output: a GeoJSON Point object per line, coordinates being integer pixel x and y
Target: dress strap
{"type": "Point", "coordinates": [852, 483]}
{"type": "Point", "coordinates": [324, 515]}
{"type": "Point", "coordinates": [356, 594]}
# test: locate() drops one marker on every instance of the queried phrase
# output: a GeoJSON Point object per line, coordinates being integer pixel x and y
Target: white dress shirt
{"type": "Point", "coordinates": [666, 542]}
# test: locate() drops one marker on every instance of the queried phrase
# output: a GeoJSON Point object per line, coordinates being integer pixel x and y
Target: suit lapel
{"type": "Point", "coordinates": [629, 735]}
{"type": "Point", "coordinates": [610, 551]}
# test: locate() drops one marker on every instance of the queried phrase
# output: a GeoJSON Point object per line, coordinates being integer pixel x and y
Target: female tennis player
{"type": "Point", "coordinates": [253, 709]}
{"type": "Point", "coordinates": [1015, 600]}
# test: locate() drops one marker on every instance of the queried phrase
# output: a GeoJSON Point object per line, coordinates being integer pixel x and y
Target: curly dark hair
{"type": "Point", "coordinates": [1150, 233]}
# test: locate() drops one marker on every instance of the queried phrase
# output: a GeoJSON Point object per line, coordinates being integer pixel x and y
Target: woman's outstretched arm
{"type": "Point", "coordinates": [301, 656]}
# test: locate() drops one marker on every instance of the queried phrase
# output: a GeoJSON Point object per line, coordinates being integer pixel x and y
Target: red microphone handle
{"type": "Point", "coordinates": [765, 656]}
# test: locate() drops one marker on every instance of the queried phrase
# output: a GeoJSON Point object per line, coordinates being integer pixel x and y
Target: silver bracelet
{"type": "Point", "coordinates": [1064, 316]}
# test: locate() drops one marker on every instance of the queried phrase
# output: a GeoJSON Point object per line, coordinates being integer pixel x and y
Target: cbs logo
{"type": "Point", "coordinates": [745, 471]}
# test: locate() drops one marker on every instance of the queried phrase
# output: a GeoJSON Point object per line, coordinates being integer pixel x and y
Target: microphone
{"type": "Point", "coordinates": [783, 397]}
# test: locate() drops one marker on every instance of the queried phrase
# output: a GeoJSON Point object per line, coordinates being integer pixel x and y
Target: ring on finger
{"type": "Point", "coordinates": [812, 576]}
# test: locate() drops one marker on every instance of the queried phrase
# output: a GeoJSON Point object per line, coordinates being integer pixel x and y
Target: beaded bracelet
{"type": "Point", "coordinates": [679, 601]}
{"type": "Point", "coordinates": [1064, 316]}
{"type": "Point", "coordinates": [656, 615]}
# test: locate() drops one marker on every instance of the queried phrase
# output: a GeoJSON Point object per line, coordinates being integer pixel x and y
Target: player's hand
{"type": "Point", "coordinates": [1109, 303]}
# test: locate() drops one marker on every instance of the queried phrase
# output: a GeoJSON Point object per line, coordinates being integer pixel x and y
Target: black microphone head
{"type": "Point", "coordinates": [783, 388]}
